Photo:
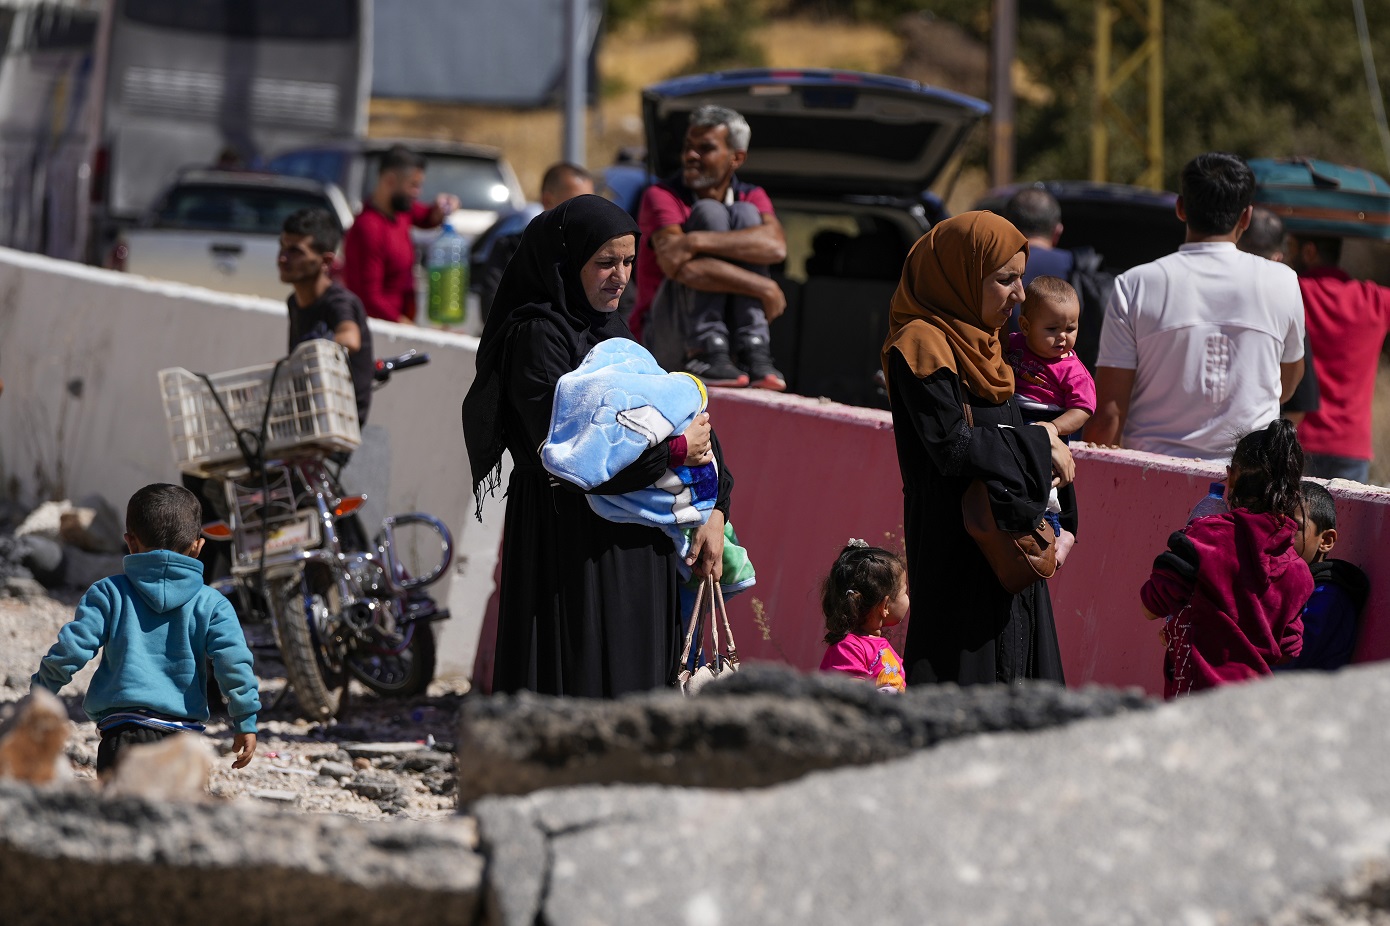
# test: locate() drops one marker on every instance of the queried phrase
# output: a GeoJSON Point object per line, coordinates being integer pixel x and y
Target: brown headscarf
{"type": "Point", "coordinates": [935, 321]}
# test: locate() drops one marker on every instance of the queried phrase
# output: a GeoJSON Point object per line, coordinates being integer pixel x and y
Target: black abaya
{"type": "Point", "coordinates": [965, 627]}
{"type": "Point", "coordinates": [587, 606]}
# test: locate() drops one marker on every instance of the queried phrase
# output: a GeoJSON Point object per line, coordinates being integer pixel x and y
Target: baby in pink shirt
{"type": "Point", "coordinates": [1050, 381]}
{"type": "Point", "coordinates": [865, 592]}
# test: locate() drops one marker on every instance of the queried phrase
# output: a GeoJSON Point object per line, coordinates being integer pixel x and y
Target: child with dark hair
{"type": "Point", "coordinates": [865, 592]}
{"type": "Point", "coordinates": [310, 242]}
{"type": "Point", "coordinates": [1332, 614]}
{"type": "Point", "coordinates": [1234, 583]}
{"type": "Point", "coordinates": [1050, 381]}
{"type": "Point", "coordinates": [156, 626]}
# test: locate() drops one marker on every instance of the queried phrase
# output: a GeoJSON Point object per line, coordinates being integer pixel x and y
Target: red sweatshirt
{"type": "Point", "coordinates": [379, 259]}
{"type": "Point", "coordinates": [1347, 323]}
{"type": "Point", "coordinates": [1236, 589]}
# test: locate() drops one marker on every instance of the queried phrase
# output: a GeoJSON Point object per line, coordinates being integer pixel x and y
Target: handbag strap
{"type": "Point", "coordinates": [715, 655]}
{"type": "Point", "coordinates": [724, 613]}
{"type": "Point", "coordinates": [695, 621]}
{"type": "Point", "coordinates": [964, 405]}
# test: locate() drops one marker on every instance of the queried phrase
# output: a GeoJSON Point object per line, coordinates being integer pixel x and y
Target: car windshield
{"type": "Point", "coordinates": [477, 182]}
{"type": "Point", "coordinates": [252, 210]}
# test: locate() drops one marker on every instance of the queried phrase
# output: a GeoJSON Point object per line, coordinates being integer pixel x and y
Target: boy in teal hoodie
{"type": "Point", "coordinates": [157, 626]}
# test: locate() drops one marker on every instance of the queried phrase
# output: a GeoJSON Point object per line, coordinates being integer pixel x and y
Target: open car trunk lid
{"type": "Point", "coordinates": [821, 130]}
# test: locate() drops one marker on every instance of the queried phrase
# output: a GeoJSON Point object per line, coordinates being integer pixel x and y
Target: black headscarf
{"type": "Point", "coordinates": [541, 282]}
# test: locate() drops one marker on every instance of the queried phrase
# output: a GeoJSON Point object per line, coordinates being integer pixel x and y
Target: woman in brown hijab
{"type": "Point", "coordinates": [958, 287]}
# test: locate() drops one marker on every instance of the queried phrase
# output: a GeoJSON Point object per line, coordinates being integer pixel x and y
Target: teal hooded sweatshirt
{"type": "Point", "coordinates": [156, 626]}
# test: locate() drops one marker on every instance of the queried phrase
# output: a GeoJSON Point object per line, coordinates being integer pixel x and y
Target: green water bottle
{"type": "Point", "coordinates": [448, 270]}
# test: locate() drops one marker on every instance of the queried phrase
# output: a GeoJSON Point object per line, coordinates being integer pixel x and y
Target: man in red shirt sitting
{"type": "Point", "coordinates": [703, 286]}
{"type": "Point", "coordinates": [379, 257]}
{"type": "Point", "coordinates": [1347, 322]}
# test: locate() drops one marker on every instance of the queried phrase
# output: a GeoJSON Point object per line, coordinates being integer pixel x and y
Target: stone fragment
{"type": "Point", "coordinates": [373, 786]}
{"type": "Point", "coordinates": [42, 557]}
{"type": "Point", "coordinates": [765, 725]}
{"type": "Point", "coordinates": [361, 763]}
{"type": "Point", "coordinates": [426, 760]}
{"type": "Point", "coordinates": [177, 768]}
{"type": "Point", "coordinates": [335, 770]}
{"type": "Point", "coordinates": [276, 795]}
{"type": "Point", "coordinates": [44, 520]}
{"type": "Point", "coordinates": [32, 748]}
{"type": "Point", "coordinates": [22, 588]}
{"type": "Point", "coordinates": [380, 750]}
{"type": "Point", "coordinates": [103, 531]}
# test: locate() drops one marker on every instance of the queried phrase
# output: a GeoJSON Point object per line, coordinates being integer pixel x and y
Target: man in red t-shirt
{"type": "Point", "coordinates": [1347, 323]}
{"type": "Point", "coordinates": [378, 255]}
{"type": "Point", "coordinates": [704, 293]}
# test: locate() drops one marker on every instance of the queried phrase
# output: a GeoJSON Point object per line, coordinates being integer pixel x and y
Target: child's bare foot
{"type": "Point", "coordinates": [1065, 541]}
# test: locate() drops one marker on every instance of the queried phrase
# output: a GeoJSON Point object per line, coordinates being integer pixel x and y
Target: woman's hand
{"type": "Point", "coordinates": [698, 448]}
{"type": "Point", "coordinates": [1063, 466]}
{"type": "Point", "coordinates": [706, 556]}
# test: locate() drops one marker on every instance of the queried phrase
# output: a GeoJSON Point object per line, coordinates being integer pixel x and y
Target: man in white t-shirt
{"type": "Point", "coordinates": [1201, 346]}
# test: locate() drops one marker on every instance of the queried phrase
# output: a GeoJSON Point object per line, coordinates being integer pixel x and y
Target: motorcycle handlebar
{"type": "Point", "coordinates": [388, 365]}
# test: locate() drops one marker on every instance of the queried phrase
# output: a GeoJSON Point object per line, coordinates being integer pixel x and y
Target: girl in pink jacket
{"type": "Point", "coordinates": [1233, 583]}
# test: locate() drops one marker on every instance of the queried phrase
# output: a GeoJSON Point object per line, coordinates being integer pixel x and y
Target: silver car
{"type": "Point", "coordinates": [221, 230]}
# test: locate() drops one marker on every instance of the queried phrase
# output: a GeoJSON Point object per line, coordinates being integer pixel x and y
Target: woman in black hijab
{"type": "Point", "coordinates": [586, 606]}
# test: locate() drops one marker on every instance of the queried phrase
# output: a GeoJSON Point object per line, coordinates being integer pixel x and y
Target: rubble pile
{"type": "Point", "coordinates": [59, 545]}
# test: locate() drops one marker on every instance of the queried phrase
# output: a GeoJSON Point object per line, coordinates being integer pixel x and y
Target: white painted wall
{"type": "Point", "coordinates": [79, 352]}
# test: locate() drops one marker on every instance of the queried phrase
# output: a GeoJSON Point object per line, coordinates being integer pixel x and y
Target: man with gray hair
{"type": "Point", "coordinates": [704, 292]}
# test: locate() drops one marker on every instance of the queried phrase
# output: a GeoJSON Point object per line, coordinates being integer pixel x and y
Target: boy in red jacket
{"type": "Point", "coordinates": [1233, 583]}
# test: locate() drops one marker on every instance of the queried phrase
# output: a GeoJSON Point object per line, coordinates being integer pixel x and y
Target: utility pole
{"type": "Point", "coordinates": [576, 79]}
{"type": "Point", "coordinates": [1115, 106]}
{"type": "Point", "coordinates": [1003, 46]}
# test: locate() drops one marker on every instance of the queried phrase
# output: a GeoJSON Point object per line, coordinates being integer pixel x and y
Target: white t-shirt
{"type": "Point", "coordinates": [1205, 330]}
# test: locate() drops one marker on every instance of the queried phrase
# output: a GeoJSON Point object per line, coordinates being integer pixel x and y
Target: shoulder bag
{"type": "Point", "coordinates": [1018, 559]}
{"type": "Point", "coordinates": [717, 663]}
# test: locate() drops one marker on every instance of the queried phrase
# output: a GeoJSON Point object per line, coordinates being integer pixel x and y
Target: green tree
{"type": "Point", "coordinates": [723, 36]}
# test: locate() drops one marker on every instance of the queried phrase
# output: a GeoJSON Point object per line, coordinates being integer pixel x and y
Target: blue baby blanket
{"type": "Point", "coordinates": [610, 410]}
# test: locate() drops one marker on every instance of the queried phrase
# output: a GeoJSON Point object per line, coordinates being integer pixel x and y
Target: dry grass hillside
{"type": "Point", "coordinates": [644, 52]}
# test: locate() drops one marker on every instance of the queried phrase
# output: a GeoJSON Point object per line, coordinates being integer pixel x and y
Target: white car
{"type": "Point", "coordinates": [221, 229]}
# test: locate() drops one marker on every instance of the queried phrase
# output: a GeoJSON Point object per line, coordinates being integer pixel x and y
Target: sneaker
{"type": "Point", "coordinates": [757, 360]}
{"type": "Point", "coordinates": [713, 365]}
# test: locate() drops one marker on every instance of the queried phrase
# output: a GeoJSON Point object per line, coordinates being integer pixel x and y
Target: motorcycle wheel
{"type": "Point", "coordinates": [317, 688]}
{"type": "Point", "coordinates": [400, 671]}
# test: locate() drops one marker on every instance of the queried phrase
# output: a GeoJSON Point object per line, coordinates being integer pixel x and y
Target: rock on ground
{"type": "Point", "coordinates": [1261, 803]}
{"type": "Point", "coordinates": [74, 857]}
{"type": "Point", "coordinates": [765, 725]}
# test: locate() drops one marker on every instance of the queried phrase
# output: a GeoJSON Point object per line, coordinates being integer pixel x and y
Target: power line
{"type": "Point", "coordinates": [1372, 80]}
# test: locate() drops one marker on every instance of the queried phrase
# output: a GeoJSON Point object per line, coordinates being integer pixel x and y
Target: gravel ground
{"type": "Point", "coordinates": [382, 757]}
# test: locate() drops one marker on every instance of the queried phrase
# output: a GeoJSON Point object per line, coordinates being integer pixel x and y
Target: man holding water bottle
{"type": "Point", "coordinates": [379, 257]}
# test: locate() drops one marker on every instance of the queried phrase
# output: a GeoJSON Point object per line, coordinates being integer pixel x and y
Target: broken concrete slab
{"type": "Point", "coordinates": [1256, 803]}
{"type": "Point", "coordinates": [176, 768]}
{"type": "Point", "coordinates": [71, 856]}
{"type": "Point", "coordinates": [767, 724]}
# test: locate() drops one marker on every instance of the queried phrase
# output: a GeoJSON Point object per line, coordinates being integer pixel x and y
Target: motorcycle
{"type": "Point", "coordinates": [339, 606]}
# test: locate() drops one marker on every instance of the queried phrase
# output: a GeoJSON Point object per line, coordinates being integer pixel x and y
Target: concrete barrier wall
{"type": "Point", "coordinates": [810, 475]}
{"type": "Point", "coordinates": [79, 350]}
{"type": "Point", "coordinates": [81, 410]}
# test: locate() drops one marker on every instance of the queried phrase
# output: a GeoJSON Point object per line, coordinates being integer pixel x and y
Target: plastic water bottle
{"type": "Point", "coordinates": [1214, 502]}
{"type": "Point", "coordinates": [448, 270]}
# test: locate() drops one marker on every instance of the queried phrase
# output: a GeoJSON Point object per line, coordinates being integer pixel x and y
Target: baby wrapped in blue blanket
{"type": "Point", "coordinates": [611, 409]}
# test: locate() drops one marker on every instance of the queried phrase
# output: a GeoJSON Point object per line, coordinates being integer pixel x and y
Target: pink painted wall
{"type": "Point", "coordinates": [809, 475]}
